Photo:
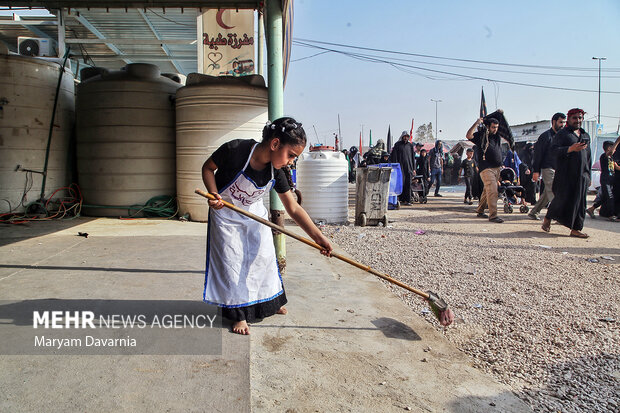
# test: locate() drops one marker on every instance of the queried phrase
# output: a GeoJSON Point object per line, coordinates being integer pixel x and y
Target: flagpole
{"type": "Point", "coordinates": [317, 135]}
{"type": "Point", "coordinates": [359, 159]}
{"type": "Point", "coordinates": [339, 132]}
{"type": "Point", "coordinates": [436, 126]}
{"type": "Point", "coordinates": [483, 104]}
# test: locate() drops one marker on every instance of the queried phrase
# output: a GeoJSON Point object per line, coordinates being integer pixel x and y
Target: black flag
{"type": "Point", "coordinates": [483, 105]}
{"type": "Point", "coordinates": [389, 140]}
{"type": "Point", "coordinates": [504, 128]}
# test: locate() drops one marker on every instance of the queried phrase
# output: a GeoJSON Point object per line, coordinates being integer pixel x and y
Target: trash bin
{"type": "Point", "coordinates": [372, 186]}
{"type": "Point", "coordinates": [396, 184]}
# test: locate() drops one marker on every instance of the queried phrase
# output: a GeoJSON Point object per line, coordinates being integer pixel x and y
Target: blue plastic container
{"type": "Point", "coordinates": [392, 201]}
{"type": "Point", "coordinates": [396, 178]}
{"type": "Point", "coordinates": [396, 184]}
{"type": "Point", "coordinates": [294, 175]}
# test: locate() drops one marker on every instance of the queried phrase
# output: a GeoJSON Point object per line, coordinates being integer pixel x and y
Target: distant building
{"type": "Point", "coordinates": [529, 132]}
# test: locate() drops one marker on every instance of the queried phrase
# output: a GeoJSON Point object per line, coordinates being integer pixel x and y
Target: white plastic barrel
{"type": "Point", "coordinates": [322, 180]}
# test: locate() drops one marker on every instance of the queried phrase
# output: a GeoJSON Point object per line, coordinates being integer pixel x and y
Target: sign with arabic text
{"type": "Point", "coordinates": [228, 42]}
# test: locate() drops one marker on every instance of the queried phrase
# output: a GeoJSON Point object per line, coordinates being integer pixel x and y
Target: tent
{"type": "Point", "coordinates": [429, 146]}
{"type": "Point", "coordinates": [461, 147]}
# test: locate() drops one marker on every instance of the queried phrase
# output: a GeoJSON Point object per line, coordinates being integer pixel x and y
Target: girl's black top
{"type": "Point", "coordinates": [232, 156]}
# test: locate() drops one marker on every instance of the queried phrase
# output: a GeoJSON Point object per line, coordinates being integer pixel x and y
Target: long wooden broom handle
{"type": "Point", "coordinates": [314, 244]}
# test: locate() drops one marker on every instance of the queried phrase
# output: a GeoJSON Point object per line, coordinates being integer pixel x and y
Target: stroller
{"type": "Point", "coordinates": [418, 189]}
{"type": "Point", "coordinates": [508, 192]}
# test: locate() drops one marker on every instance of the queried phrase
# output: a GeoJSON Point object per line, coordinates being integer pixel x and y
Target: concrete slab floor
{"type": "Point", "coordinates": [347, 344]}
{"type": "Point", "coordinates": [125, 261]}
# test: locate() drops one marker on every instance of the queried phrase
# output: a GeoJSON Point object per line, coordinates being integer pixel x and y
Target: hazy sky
{"type": "Point", "coordinates": [375, 95]}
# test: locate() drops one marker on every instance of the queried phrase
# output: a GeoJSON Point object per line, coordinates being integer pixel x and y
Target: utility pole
{"type": "Point", "coordinates": [598, 117]}
{"type": "Point", "coordinates": [436, 126]}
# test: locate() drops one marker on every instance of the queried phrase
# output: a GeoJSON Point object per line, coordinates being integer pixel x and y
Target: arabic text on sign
{"type": "Point", "coordinates": [231, 40]}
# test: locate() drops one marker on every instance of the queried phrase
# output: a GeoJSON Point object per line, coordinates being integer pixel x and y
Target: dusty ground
{"type": "Point", "coordinates": [531, 310]}
{"type": "Point", "coordinates": [348, 344]}
{"type": "Point", "coordinates": [538, 311]}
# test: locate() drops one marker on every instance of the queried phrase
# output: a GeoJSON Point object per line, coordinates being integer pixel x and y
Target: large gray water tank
{"type": "Point", "coordinates": [125, 138]}
{"type": "Point", "coordinates": [27, 91]}
{"type": "Point", "coordinates": [212, 111]}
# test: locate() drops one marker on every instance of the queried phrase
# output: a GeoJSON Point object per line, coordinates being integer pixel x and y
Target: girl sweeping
{"type": "Point", "coordinates": [242, 274]}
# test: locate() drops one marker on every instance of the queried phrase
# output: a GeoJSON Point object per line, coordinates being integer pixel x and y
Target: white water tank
{"type": "Point", "coordinates": [125, 138]}
{"type": "Point", "coordinates": [323, 182]}
{"type": "Point", "coordinates": [27, 91]}
{"type": "Point", "coordinates": [209, 112]}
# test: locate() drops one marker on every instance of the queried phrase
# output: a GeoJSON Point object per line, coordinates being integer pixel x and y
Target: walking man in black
{"type": "Point", "coordinates": [403, 154]}
{"type": "Point", "coordinates": [543, 164]}
{"type": "Point", "coordinates": [573, 167]}
{"type": "Point", "coordinates": [488, 147]}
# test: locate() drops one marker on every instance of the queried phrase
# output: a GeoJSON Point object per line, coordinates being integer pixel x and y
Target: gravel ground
{"type": "Point", "coordinates": [532, 309]}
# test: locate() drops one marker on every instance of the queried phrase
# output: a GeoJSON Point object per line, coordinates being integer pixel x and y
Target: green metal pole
{"type": "Point", "coordinates": [275, 75]}
{"type": "Point", "coordinates": [274, 59]}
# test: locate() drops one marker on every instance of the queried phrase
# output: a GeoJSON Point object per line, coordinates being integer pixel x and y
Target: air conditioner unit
{"type": "Point", "coordinates": [35, 46]}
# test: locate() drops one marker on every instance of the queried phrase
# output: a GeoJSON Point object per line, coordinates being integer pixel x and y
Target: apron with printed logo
{"type": "Point", "coordinates": [241, 267]}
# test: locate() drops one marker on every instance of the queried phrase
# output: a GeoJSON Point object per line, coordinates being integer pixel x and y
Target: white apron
{"type": "Point", "coordinates": [241, 267]}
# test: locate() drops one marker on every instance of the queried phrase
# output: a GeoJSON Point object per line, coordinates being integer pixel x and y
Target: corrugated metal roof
{"type": "Point", "coordinates": [57, 4]}
{"type": "Point", "coordinates": [113, 37]}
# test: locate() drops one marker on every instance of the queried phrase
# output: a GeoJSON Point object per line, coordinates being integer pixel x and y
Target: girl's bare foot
{"type": "Point", "coordinates": [241, 327]}
{"type": "Point", "coordinates": [282, 311]}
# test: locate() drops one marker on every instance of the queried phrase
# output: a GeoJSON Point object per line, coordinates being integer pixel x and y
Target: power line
{"type": "Point", "coordinates": [486, 69]}
{"type": "Point", "coordinates": [470, 77]}
{"type": "Point", "coordinates": [457, 59]}
{"type": "Point", "coordinates": [466, 67]}
{"type": "Point", "coordinates": [309, 57]}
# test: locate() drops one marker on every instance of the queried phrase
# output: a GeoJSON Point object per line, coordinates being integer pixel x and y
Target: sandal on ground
{"type": "Point", "coordinates": [579, 235]}
{"type": "Point", "coordinates": [497, 220]}
{"type": "Point", "coordinates": [482, 215]}
{"type": "Point", "coordinates": [590, 213]}
{"type": "Point", "coordinates": [546, 227]}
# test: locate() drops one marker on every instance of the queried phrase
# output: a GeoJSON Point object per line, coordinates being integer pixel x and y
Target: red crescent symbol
{"type": "Point", "coordinates": [218, 19]}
